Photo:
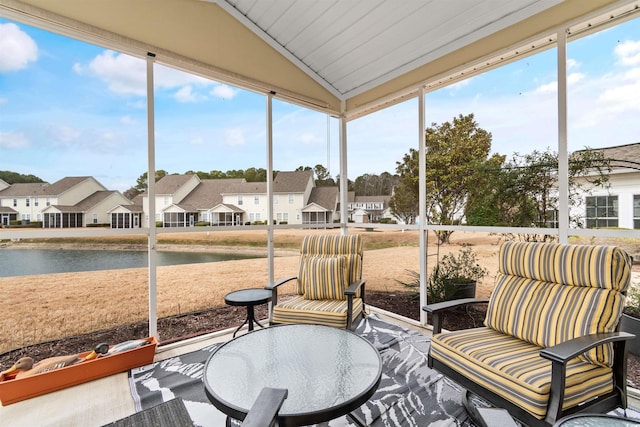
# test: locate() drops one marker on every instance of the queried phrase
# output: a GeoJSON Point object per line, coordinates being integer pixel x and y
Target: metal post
{"type": "Point", "coordinates": [422, 209]}
{"type": "Point", "coordinates": [344, 179]}
{"type": "Point", "coordinates": [270, 189]}
{"type": "Point", "coordinates": [151, 191]}
{"type": "Point", "coordinates": [563, 156]}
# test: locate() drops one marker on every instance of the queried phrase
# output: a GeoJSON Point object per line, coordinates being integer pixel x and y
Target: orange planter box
{"type": "Point", "coordinates": [14, 390]}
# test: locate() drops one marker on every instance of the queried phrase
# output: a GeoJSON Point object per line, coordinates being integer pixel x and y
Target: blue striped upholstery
{"type": "Point", "coordinates": [545, 294]}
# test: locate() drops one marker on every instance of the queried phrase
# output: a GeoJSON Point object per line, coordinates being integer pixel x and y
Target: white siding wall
{"type": "Point", "coordinates": [623, 185]}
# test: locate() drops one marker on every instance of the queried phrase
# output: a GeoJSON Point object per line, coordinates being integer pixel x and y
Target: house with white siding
{"type": "Point", "coordinates": [186, 200]}
{"type": "Point", "coordinates": [364, 209]}
{"type": "Point", "coordinates": [617, 205]}
{"type": "Point", "coordinates": [70, 202]}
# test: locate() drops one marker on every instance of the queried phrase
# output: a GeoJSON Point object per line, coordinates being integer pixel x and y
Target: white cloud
{"type": "Point", "coordinates": [186, 94]}
{"type": "Point", "coordinates": [224, 91]}
{"type": "Point", "coordinates": [123, 74]}
{"type": "Point", "coordinates": [198, 140]}
{"type": "Point", "coordinates": [3, 100]}
{"type": "Point", "coordinates": [128, 120]}
{"type": "Point", "coordinates": [18, 49]}
{"type": "Point", "coordinates": [309, 138]}
{"type": "Point", "coordinates": [624, 95]}
{"type": "Point", "coordinates": [13, 140]}
{"type": "Point", "coordinates": [572, 79]}
{"type": "Point", "coordinates": [127, 75]}
{"type": "Point", "coordinates": [572, 64]}
{"type": "Point", "coordinates": [547, 88]}
{"type": "Point", "coordinates": [234, 137]}
{"type": "Point", "coordinates": [64, 133]}
{"type": "Point", "coordinates": [459, 85]}
{"type": "Point", "coordinates": [628, 52]}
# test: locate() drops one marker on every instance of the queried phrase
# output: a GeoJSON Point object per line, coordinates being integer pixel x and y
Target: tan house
{"type": "Point", "coordinates": [186, 200]}
{"type": "Point", "coordinates": [70, 202]}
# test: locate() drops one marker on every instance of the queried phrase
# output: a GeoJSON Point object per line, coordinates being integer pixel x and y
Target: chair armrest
{"type": "Point", "coordinates": [446, 305]}
{"type": "Point", "coordinates": [560, 354]}
{"type": "Point", "coordinates": [274, 285]}
{"type": "Point", "coordinates": [353, 288]}
{"type": "Point", "coordinates": [265, 409]}
{"type": "Point", "coordinates": [437, 308]}
{"type": "Point", "coordinates": [567, 350]}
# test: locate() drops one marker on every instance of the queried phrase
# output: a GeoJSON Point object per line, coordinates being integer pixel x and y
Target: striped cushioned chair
{"type": "Point", "coordinates": [330, 289]}
{"type": "Point", "coordinates": [549, 346]}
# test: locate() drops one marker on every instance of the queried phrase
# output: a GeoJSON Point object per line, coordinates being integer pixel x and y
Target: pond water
{"type": "Point", "coordinates": [25, 262]}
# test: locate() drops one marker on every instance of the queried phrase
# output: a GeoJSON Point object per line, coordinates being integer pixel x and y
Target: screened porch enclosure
{"type": "Point", "coordinates": [62, 220]}
{"type": "Point", "coordinates": [497, 36]}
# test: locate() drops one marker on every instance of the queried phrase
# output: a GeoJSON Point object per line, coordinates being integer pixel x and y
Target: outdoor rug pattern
{"type": "Point", "coordinates": [410, 394]}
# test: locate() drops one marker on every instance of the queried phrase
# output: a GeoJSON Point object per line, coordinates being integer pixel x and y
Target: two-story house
{"type": "Point", "coordinates": [185, 200]}
{"type": "Point", "coordinates": [364, 209]}
{"type": "Point", "coordinates": [69, 202]}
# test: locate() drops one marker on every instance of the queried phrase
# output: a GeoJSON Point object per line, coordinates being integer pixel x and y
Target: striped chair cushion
{"type": "Point", "coordinates": [546, 314]}
{"type": "Point", "coordinates": [323, 312]}
{"type": "Point", "coordinates": [548, 293]}
{"type": "Point", "coordinates": [324, 244]}
{"type": "Point", "coordinates": [323, 277]}
{"type": "Point", "coordinates": [351, 247]}
{"type": "Point", "coordinates": [607, 267]}
{"type": "Point", "coordinates": [514, 369]}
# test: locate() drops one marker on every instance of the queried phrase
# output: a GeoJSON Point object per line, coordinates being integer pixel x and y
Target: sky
{"type": "Point", "coordinates": [69, 108]}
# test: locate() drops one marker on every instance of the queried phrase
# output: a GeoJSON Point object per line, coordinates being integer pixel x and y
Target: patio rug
{"type": "Point", "coordinates": [410, 394]}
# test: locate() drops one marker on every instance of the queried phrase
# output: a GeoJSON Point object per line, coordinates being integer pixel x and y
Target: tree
{"type": "Point", "coordinates": [375, 185]}
{"type": "Point", "coordinates": [142, 181]}
{"type": "Point", "coordinates": [323, 177]}
{"type": "Point", "coordinates": [455, 153]}
{"type": "Point", "coordinates": [404, 203]}
{"type": "Point", "coordinates": [523, 192]}
{"type": "Point", "coordinates": [14, 178]}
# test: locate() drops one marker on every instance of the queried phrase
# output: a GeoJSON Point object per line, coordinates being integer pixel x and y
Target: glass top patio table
{"type": "Point", "coordinates": [328, 372]}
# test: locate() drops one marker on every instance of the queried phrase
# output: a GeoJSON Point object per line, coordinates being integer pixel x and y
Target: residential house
{"type": "Point", "coordinates": [69, 202]}
{"type": "Point", "coordinates": [126, 216]}
{"type": "Point", "coordinates": [617, 205]}
{"type": "Point", "coordinates": [322, 206]}
{"type": "Point", "coordinates": [365, 209]}
{"type": "Point", "coordinates": [185, 200]}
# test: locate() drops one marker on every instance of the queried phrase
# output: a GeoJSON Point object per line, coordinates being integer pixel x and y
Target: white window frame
{"type": "Point", "coordinates": [603, 212]}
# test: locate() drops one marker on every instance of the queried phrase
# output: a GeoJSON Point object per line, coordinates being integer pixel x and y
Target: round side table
{"type": "Point", "coordinates": [248, 298]}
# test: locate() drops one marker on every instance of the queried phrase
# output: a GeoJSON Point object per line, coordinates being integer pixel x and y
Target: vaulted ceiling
{"type": "Point", "coordinates": [338, 56]}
